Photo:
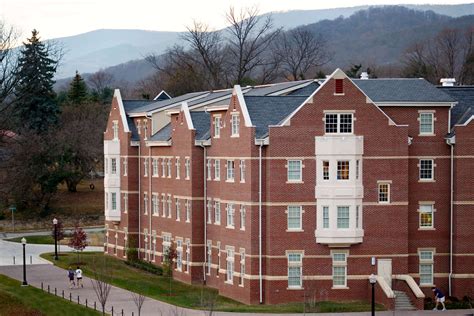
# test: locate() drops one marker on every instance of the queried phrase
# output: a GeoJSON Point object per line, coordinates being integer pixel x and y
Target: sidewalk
{"type": "Point", "coordinates": [122, 299]}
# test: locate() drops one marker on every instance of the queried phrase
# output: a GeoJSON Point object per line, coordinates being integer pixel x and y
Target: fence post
{"type": "Point", "coordinates": [70, 297]}
{"type": "Point", "coordinates": [42, 286]}
{"type": "Point", "coordinates": [48, 288]}
{"type": "Point", "coordinates": [78, 300]}
{"type": "Point", "coordinates": [31, 260]}
{"type": "Point", "coordinates": [55, 292]}
{"type": "Point", "coordinates": [122, 311]}
{"type": "Point", "coordinates": [132, 313]}
{"type": "Point", "coordinates": [63, 293]}
{"type": "Point", "coordinates": [112, 310]}
{"type": "Point", "coordinates": [14, 263]}
{"type": "Point", "coordinates": [86, 303]}
{"type": "Point", "coordinates": [95, 306]}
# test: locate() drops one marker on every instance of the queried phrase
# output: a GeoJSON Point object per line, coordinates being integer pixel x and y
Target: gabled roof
{"type": "Point", "coordinates": [154, 105]}
{"type": "Point", "coordinates": [202, 124]}
{"type": "Point", "coordinates": [270, 110]}
{"type": "Point", "coordinates": [130, 105]}
{"type": "Point", "coordinates": [163, 134]}
{"type": "Point", "coordinates": [273, 88]}
{"type": "Point", "coordinates": [305, 91]}
{"type": "Point", "coordinates": [464, 109]}
{"type": "Point", "coordinates": [401, 90]}
{"type": "Point", "coordinates": [162, 96]}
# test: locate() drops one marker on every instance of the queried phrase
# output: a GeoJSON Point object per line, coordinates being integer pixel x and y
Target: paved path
{"type": "Point", "coordinates": [122, 299]}
{"type": "Point", "coordinates": [12, 253]}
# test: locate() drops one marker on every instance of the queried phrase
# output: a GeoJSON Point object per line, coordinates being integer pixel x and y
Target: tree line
{"type": "Point", "coordinates": [45, 138]}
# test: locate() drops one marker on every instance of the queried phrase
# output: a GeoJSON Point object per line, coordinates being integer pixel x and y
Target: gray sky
{"type": "Point", "coordinates": [56, 18]}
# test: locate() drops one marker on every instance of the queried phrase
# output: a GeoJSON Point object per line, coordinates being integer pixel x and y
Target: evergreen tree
{"type": "Point", "coordinates": [36, 108]}
{"type": "Point", "coordinates": [77, 93]}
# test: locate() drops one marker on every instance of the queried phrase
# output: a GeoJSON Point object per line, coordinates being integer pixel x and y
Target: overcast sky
{"type": "Point", "coordinates": [56, 18]}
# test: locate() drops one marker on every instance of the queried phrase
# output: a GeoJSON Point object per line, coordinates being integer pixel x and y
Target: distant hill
{"type": "Point", "coordinates": [91, 51]}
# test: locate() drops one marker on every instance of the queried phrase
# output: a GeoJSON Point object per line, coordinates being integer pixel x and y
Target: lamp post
{"type": "Point", "coordinates": [373, 280]}
{"type": "Point", "coordinates": [13, 209]}
{"type": "Point", "coordinates": [23, 242]}
{"type": "Point", "coordinates": [55, 223]}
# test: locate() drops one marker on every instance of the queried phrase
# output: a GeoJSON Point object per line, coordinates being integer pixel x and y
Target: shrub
{"type": "Point", "coordinates": [145, 266]}
{"type": "Point", "coordinates": [132, 254]}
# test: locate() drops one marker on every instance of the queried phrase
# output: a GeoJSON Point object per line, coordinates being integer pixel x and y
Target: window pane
{"type": "Point", "coordinates": [294, 170]}
{"type": "Point", "coordinates": [294, 217]}
{"type": "Point", "coordinates": [339, 257]}
{"type": "Point", "coordinates": [331, 123]}
{"type": "Point", "coordinates": [345, 123]}
{"type": "Point", "coordinates": [294, 257]}
{"type": "Point", "coordinates": [325, 170]}
{"type": "Point", "coordinates": [339, 276]}
{"type": "Point", "coordinates": [426, 169]}
{"type": "Point", "coordinates": [294, 276]}
{"type": "Point", "coordinates": [383, 192]}
{"type": "Point", "coordinates": [426, 273]}
{"type": "Point", "coordinates": [343, 217]}
{"type": "Point", "coordinates": [325, 216]}
{"type": "Point", "coordinates": [426, 123]}
{"type": "Point", "coordinates": [426, 255]}
{"type": "Point", "coordinates": [343, 170]}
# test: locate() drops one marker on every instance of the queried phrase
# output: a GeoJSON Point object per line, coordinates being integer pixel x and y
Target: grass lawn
{"type": "Point", "coordinates": [124, 276]}
{"type": "Point", "coordinates": [94, 239]}
{"type": "Point", "coordinates": [30, 301]}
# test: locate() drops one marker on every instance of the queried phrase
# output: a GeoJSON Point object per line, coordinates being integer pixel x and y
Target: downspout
{"type": "Point", "coordinates": [451, 226]}
{"type": "Point", "coordinates": [139, 198]}
{"type": "Point", "coordinates": [260, 222]}
{"type": "Point", "coordinates": [205, 213]}
{"type": "Point", "coordinates": [150, 211]}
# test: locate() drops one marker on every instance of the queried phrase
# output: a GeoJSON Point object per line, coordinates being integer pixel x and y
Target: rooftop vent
{"type": "Point", "coordinates": [364, 75]}
{"type": "Point", "coordinates": [447, 82]}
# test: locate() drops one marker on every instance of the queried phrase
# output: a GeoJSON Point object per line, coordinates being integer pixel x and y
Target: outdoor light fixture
{"type": "Point", "coordinates": [55, 223]}
{"type": "Point", "coordinates": [373, 280]}
{"type": "Point", "coordinates": [23, 242]}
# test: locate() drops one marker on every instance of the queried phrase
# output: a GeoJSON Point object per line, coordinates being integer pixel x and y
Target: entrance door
{"type": "Point", "coordinates": [384, 269]}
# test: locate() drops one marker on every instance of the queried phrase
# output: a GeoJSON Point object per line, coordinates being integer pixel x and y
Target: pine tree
{"type": "Point", "coordinates": [77, 93]}
{"type": "Point", "coordinates": [36, 108]}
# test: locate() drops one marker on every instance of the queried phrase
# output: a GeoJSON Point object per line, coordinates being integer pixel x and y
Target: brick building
{"type": "Point", "coordinates": [276, 192]}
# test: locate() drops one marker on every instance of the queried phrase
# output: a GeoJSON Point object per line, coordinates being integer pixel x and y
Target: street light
{"type": "Point", "coordinates": [55, 223]}
{"type": "Point", "coordinates": [13, 209]}
{"type": "Point", "coordinates": [373, 280]}
{"type": "Point", "coordinates": [23, 242]}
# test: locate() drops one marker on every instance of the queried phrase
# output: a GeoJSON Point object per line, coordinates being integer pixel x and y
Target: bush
{"type": "Point", "coordinates": [145, 266]}
{"type": "Point", "coordinates": [451, 302]}
{"type": "Point", "coordinates": [132, 254]}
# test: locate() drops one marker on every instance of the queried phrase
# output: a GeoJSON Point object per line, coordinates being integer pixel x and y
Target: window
{"type": "Point", "coordinates": [426, 169]}
{"type": "Point", "coordinates": [188, 211]}
{"type": "Point", "coordinates": [177, 167]}
{"type": "Point", "coordinates": [338, 86]}
{"type": "Point", "coordinates": [163, 168]}
{"type": "Point", "coordinates": [168, 164]}
{"type": "Point", "coordinates": [242, 267]}
{"type": "Point", "coordinates": [217, 169]}
{"type": "Point", "coordinates": [426, 123]}
{"type": "Point", "coordinates": [145, 202]}
{"type": "Point", "coordinates": [343, 217]}
{"type": "Point", "coordinates": [357, 169]}
{"type": "Point", "coordinates": [217, 126]}
{"type": "Point", "coordinates": [384, 193]}
{"type": "Point", "coordinates": [338, 123]}
{"type": "Point", "coordinates": [179, 255]}
{"type": "Point", "coordinates": [230, 170]}
{"type": "Point", "coordinates": [163, 200]}
{"type": "Point", "coordinates": [113, 163]}
{"type": "Point", "coordinates": [209, 211]}
{"type": "Point", "coordinates": [217, 212]}
{"type": "Point", "coordinates": [155, 202]}
{"type": "Point", "coordinates": [188, 255]}
{"type": "Point", "coordinates": [235, 122]}
{"type": "Point", "coordinates": [169, 205]}
{"type": "Point", "coordinates": [154, 244]}
{"type": "Point", "coordinates": [145, 129]}
{"type": "Point", "coordinates": [339, 269]}
{"type": "Point", "coordinates": [426, 267]}
{"type": "Point", "coordinates": [294, 170]}
{"type": "Point", "coordinates": [139, 127]}
{"type": "Point", "coordinates": [209, 256]}
{"type": "Point", "coordinates": [426, 216]}
{"type": "Point", "coordinates": [218, 257]}
{"type": "Point", "coordinates": [209, 169]}
{"type": "Point", "coordinates": [294, 217]}
{"type": "Point", "coordinates": [154, 164]}
{"type": "Point", "coordinates": [343, 170]}
{"type": "Point", "coordinates": [145, 167]}
{"type": "Point", "coordinates": [178, 211]}
{"type": "Point", "coordinates": [125, 167]}
{"type": "Point", "coordinates": [187, 168]}
{"type": "Point", "coordinates": [125, 202]}
{"type": "Point", "coordinates": [230, 266]}
{"type": "Point", "coordinates": [325, 216]}
{"type": "Point", "coordinates": [115, 129]}
{"type": "Point", "coordinates": [242, 171]}
{"type": "Point", "coordinates": [295, 265]}
{"type": "Point", "coordinates": [114, 201]}
{"type": "Point", "coordinates": [166, 245]}
{"type": "Point", "coordinates": [230, 215]}
{"type": "Point", "coordinates": [325, 170]}
{"type": "Point", "coordinates": [357, 216]}
{"type": "Point", "coordinates": [242, 217]}
{"type": "Point", "coordinates": [106, 165]}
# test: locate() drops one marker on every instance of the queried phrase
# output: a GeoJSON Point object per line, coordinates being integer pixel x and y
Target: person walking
{"type": "Point", "coordinates": [79, 277]}
{"type": "Point", "coordinates": [440, 298]}
{"type": "Point", "coordinates": [70, 275]}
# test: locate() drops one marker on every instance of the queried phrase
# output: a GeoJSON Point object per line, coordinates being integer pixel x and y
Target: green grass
{"type": "Point", "coordinates": [94, 239]}
{"type": "Point", "coordinates": [29, 301]}
{"type": "Point", "coordinates": [190, 296]}
{"type": "Point", "coordinates": [46, 239]}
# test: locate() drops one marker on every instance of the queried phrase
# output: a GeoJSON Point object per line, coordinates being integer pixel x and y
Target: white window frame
{"type": "Point", "coordinates": [178, 166]}
{"type": "Point", "coordinates": [298, 216]}
{"type": "Point", "coordinates": [426, 261]}
{"type": "Point", "coordinates": [154, 199]}
{"type": "Point", "coordinates": [235, 124]}
{"type": "Point", "coordinates": [113, 166]}
{"type": "Point", "coordinates": [163, 167]}
{"type": "Point", "coordinates": [294, 173]}
{"type": "Point", "coordinates": [339, 265]}
{"type": "Point", "coordinates": [340, 170]}
{"type": "Point", "coordinates": [145, 167]}
{"type": "Point", "coordinates": [164, 204]}
{"type": "Point", "coordinates": [125, 202]}
{"type": "Point", "coordinates": [179, 255]}
{"type": "Point", "coordinates": [217, 212]}
{"type": "Point", "coordinates": [218, 258]}
{"type": "Point", "coordinates": [187, 168]}
{"type": "Point", "coordinates": [209, 211]}
{"type": "Point", "coordinates": [145, 203]}
{"type": "Point", "coordinates": [338, 123]}
{"type": "Point", "coordinates": [113, 198]}
{"type": "Point", "coordinates": [230, 213]}
{"type": "Point", "coordinates": [242, 267]}
{"type": "Point", "coordinates": [115, 128]}
{"type": "Point", "coordinates": [230, 260]}
{"type": "Point", "coordinates": [422, 170]}
{"type": "Point", "coordinates": [154, 164]}
{"type": "Point", "coordinates": [422, 124]}
{"type": "Point", "coordinates": [230, 174]}
{"type": "Point", "coordinates": [326, 216]}
{"type": "Point", "coordinates": [243, 217]}
{"type": "Point", "coordinates": [340, 218]}
{"type": "Point", "coordinates": [217, 126]}
{"type": "Point", "coordinates": [326, 170]}
{"type": "Point", "coordinates": [242, 171]}
{"type": "Point", "coordinates": [209, 257]}
{"type": "Point", "coordinates": [125, 167]}
{"type": "Point", "coordinates": [295, 265]}
{"type": "Point", "coordinates": [177, 206]}
{"type": "Point", "coordinates": [422, 209]}
{"type": "Point", "coordinates": [217, 169]}
{"type": "Point", "coordinates": [169, 205]}
{"type": "Point", "coordinates": [188, 211]}
{"type": "Point", "coordinates": [383, 196]}
{"type": "Point", "coordinates": [209, 169]}
{"type": "Point", "coordinates": [188, 255]}
{"type": "Point", "coordinates": [168, 164]}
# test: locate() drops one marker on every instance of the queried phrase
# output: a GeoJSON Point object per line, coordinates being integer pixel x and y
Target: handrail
{"type": "Point", "coordinates": [385, 287]}
{"type": "Point", "coordinates": [411, 283]}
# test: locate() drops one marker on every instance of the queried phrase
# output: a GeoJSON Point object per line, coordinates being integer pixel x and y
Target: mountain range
{"type": "Point", "coordinates": [357, 34]}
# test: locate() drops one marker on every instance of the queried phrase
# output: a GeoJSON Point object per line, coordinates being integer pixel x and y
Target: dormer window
{"type": "Point", "coordinates": [338, 123]}
{"type": "Point", "coordinates": [235, 122]}
{"type": "Point", "coordinates": [139, 126]}
{"type": "Point", "coordinates": [217, 126]}
{"type": "Point", "coordinates": [115, 129]}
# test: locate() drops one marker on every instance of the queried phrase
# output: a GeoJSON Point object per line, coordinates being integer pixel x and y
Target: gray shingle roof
{"type": "Point", "coordinates": [202, 124]}
{"type": "Point", "coordinates": [130, 105]}
{"type": "Point", "coordinates": [401, 90]}
{"type": "Point", "coordinates": [163, 134]}
{"type": "Point", "coordinates": [212, 96]}
{"type": "Point", "coordinates": [273, 88]}
{"type": "Point", "coordinates": [305, 91]}
{"type": "Point", "coordinates": [265, 110]}
{"type": "Point", "coordinates": [160, 104]}
{"type": "Point", "coordinates": [464, 95]}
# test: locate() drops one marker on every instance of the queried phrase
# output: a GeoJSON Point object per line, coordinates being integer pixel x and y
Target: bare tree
{"type": "Point", "coordinates": [100, 283]}
{"type": "Point", "coordinates": [100, 80]}
{"type": "Point", "coordinates": [210, 302]}
{"type": "Point", "coordinates": [250, 37]}
{"type": "Point", "coordinates": [138, 299]}
{"type": "Point", "coordinates": [301, 50]}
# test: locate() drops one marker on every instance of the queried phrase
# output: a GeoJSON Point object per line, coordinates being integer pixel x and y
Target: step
{"type": "Point", "coordinates": [403, 302]}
